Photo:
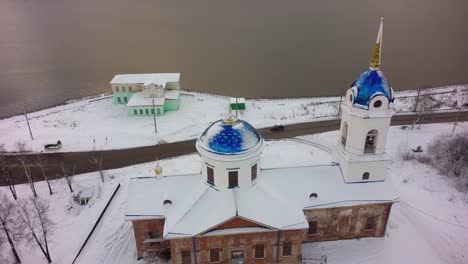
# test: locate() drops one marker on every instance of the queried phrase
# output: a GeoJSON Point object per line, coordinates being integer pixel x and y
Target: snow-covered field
{"type": "Point", "coordinates": [429, 225]}
{"type": "Point", "coordinates": [91, 124]}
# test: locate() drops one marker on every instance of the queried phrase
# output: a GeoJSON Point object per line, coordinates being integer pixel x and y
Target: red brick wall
{"type": "Point", "coordinates": [333, 224]}
{"type": "Point", "coordinates": [141, 229]}
{"type": "Point", "coordinates": [348, 222]}
{"type": "Point", "coordinates": [236, 223]}
{"type": "Point", "coordinates": [245, 242]}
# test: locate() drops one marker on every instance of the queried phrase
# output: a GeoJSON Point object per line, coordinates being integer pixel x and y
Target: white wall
{"type": "Point", "coordinates": [353, 167]}
{"type": "Point", "coordinates": [222, 164]}
{"type": "Point", "coordinates": [153, 91]}
{"type": "Point", "coordinates": [353, 161]}
{"type": "Point", "coordinates": [358, 128]}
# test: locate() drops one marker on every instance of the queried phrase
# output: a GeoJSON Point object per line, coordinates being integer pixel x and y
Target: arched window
{"type": "Point", "coordinates": [209, 175]}
{"type": "Point", "coordinates": [166, 202]}
{"type": "Point", "coordinates": [344, 133]}
{"type": "Point", "coordinates": [371, 141]}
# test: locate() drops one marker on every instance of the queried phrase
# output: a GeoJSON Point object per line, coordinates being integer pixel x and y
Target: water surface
{"type": "Point", "coordinates": [56, 50]}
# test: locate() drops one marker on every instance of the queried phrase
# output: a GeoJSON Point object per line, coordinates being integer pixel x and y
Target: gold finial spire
{"type": "Point", "coordinates": [376, 55]}
{"type": "Point", "coordinates": [230, 118]}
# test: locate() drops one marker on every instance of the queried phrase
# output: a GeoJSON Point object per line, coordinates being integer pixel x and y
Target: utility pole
{"type": "Point", "coordinates": [456, 120]}
{"type": "Point", "coordinates": [339, 105]}
{"type": "Point", "coordinates": [29, 127]}
{"type": "Point", "coordinates": [237, 106]}
{"type": "Point", "coordinates": [154, 118]}
{"type": "Point", "coordinates": [417, 101]}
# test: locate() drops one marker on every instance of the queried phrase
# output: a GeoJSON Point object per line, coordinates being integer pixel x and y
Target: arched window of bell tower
{"type": "Point", "coordinates": [371, 141]}
{"type": "Point", "coordinates": [344, 133]}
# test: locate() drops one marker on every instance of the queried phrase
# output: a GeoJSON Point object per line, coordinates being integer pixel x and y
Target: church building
{"type": "Point", "coordinates": [234, 211]}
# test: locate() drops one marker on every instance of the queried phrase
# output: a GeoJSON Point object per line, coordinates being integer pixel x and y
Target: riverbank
{"type": "Point", "coordinates": [98, 124]}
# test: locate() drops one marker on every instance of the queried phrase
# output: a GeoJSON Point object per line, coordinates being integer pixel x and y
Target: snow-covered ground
{"type": "Point", "coordinates": [429, 225]}
{"type": "Point", "coordinates": [100, 124]}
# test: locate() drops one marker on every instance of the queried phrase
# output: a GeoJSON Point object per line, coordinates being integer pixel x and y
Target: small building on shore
{"type": "Point", "coordinates": [147, 94]}
{"type": "Point", "coordinates": [234, 211]}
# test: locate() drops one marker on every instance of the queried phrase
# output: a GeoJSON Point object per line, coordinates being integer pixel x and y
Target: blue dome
{"type": "Point", "coordinates": [369, 84]}
{"type": "Point", "coordinates": [229, 138]}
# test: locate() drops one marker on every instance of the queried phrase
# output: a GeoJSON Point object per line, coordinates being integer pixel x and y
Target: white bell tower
{"type": "Point", "coordinates": [365, 120]}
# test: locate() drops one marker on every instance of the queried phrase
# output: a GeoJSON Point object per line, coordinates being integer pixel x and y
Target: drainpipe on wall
{"type": "Point", "coordinates": [278, 245]}
{"type": "Point", "coordinates": [194, 250]}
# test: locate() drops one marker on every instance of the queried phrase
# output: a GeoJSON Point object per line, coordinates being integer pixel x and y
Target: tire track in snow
{"type": "Point", "coordinates": [436, 240]}
{"type": "Point", "coordinates": [113, 239]}
{"type": "Point", "coordinates": [117, 251]}
{"type": "Point", "coordinates": [119, 243]}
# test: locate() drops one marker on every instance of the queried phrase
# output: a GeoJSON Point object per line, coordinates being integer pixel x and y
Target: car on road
{"type": "Point", "coordinates": [56, 146]}
{"type": "Point", "coordinates": [277, 128]}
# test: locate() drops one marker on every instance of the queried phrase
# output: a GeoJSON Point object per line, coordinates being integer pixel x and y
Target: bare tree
{"type": "Point", "coordinates": [67, 175]}
{"type": "Point", "coordinates": [33, 215]}
{"type": "Point", "coordinates": [6, 172]}
{"type": "Point", "coordinates": [96, 159]}
{"type": "Point", "coordinates": [450, 154]}
{"type": "Point", "coordinates": [7, 222]}
{"type": "Point", "coordinates": [41, 162]}
{"type": "Point", "coordinates": [22, 149]}
{"type": "Point", "coordinates": [425, 104]}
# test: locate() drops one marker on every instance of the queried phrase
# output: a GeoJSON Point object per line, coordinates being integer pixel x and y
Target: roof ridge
{"type": "Point", "coordinates": [190, 208]}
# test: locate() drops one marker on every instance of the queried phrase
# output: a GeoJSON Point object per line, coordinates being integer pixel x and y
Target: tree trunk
{"type": "Point", "coordinates": [8, 179]}
{"type": "Point", "coordinates": [69, 184]}
{"type": "Point", "coordinates": [12, 246]}
{"type": "Point", "coordinates": [29, 177]}
{"type": "Point", "coordinates": [32, 183]}
{"type": "Point", "coordinates": [50, 189]}
{"type": "Point", "coordinates": [47, 180]}
{"type": "Point", "coordinates": [102, 174]}
{"type": "Point", "coordinates": [47, 249]}
{"type": "Point", "coordinates": [13, 190]}
{"type": "Point", "coordinates": [41, 247]}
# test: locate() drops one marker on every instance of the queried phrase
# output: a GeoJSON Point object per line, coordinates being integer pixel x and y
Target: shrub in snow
{"type": "Point", "coordinates": [84, 196]}
{"type": "Point", "coordinates": [449, 155]}
{"type": "Point", "coordinates": [407, 156]}
{"type": "Point", "coordinates": [425, 159]}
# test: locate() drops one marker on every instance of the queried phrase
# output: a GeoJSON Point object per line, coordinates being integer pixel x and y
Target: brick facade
{"type": "Point", "coordinates": [337, 223]}
{"type": "Point", "coordinates": [348, 222]}
{"type": "Point", "coordinates": [147, 231]}
{"type": "Point", "coordinates": [243, 242]}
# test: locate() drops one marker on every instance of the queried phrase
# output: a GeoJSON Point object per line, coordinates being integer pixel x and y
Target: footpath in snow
{"type": "Point", "coordinates": [101, 124]}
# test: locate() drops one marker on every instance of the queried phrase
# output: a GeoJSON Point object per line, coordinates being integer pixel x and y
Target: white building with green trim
{"type": "Point", "coordinates": [147, 94]}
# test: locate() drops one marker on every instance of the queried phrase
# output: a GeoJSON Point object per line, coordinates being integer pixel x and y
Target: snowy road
{"type": "Point", "coordinates": [126, 157]}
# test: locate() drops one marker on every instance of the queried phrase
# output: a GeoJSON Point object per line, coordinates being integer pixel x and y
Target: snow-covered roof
{"type": "Point", "coordinates": [296, 184]}
{"type": "Point", "coordinates": [277, 200]}
{"type": "Point", "coordinates": [139, 99]}
{"type": "Point", "coordinates": [172, 94]}
{"type": "Point", "coordinates": [146, 78]}
{"type": "Point", "coordinates": [146, 195]}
